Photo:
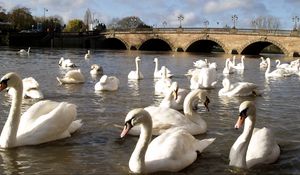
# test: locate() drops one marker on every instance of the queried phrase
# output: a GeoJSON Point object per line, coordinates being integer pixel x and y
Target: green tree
{"type": "Point", "coordinates": [51, 24]}
{"type": "Point", "coordinates": [21, 18]}
{"type": "Point", "coordinates": [129, 22]}
{"type": "Point", "coordinates": [75, 25]}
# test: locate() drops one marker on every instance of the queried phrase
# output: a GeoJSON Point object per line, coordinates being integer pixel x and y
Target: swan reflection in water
{"type": "Point", "coordinates": [134, 87]}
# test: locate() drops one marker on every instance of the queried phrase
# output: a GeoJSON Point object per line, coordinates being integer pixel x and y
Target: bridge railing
{"type": "Point", "coordinates": [209, 31]}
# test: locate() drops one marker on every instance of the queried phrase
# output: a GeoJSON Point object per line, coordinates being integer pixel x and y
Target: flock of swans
{"type": "Point", "coordinates": [174, 147]}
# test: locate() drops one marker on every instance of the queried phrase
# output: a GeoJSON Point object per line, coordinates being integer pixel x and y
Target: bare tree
{"type": "Point", "coordinates": [266, 22]}
{"type": "Point", "coordinates": [87, 20]}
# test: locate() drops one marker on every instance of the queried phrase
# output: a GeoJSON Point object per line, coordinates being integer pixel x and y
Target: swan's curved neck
{"type": "Point", "coordinates": [10, 129]}
{"type": "Point", "coordinates": [156, 66]}
{"type": "Point", "coordinates": [137, 159]}
{"type": "Point", "coordinates": [268, 67]}
{"type": "Point", "coordinates": [137, 67]}
{"type": "Point", "coordinates": [190, 113]}
{"type": "Point", "coordinates": [238, 159]}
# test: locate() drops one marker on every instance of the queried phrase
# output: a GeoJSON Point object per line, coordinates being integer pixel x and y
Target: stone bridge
{"type": "Point", "coordinates": [232, 41]}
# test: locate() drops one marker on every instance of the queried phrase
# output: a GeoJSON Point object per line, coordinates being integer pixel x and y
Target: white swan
{"type": "Point", "coordinates": [174, 98]}
{"type": "Point", "coordinates": [31, 89]}
{"type": "Point", "coordinates": [166, 118]}
{"type": "Point", "coordinates": [253, 146]}
{"type": "Point", "coordinates": [163, 84]}
{"type": "Point", "coordinates": [43, 122]}
{"type": "Point", "coordinates": [204, 78]}
{"type": "Point", "coordinates": [227, 69]}
{"type": "Point", "coordinates": [66, 63]}
{"type": "Point", "coordinates": [72, 77]}
{"type": "Point", "coordinates": [241, 65]}
{"type": "Point", "coordinates": [23, 52]}
{"type": "Point", "coordinates": [106, 83]}
{"type": "Point", "coordinates": [281, 66]}
{"type": "Point", "coordinates": [88, 55]}
{"type": "Point", "coordinates": [263, 64]}
{"type": "Point", "coordinates": [172, 151]}
{"type": "Point", "coordinates": [159, 73]}
{"type": "Point", "coordinates": [137, 74]}
{"type": "Point", "coordinates": [277, 73]}
{"type": "Point", "coordinates": [96, 69]}
{"type": "Point", "coordinates": [238, 89]}
{"type": "Point", "coordinates": [201, 63]}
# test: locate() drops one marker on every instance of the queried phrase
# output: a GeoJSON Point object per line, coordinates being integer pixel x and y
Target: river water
{"type": "Point", "coordinates": [97, 149]}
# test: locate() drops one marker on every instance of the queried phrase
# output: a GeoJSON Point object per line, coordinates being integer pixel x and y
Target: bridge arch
{"type": "Point", "coordinates": [205, 44]}
{"type": "Point", "coordinates": [114, 43]}
{"type": "Point", "coordinates": [156, 44]}
{"type": "Point", "coordinates": [256, 46]}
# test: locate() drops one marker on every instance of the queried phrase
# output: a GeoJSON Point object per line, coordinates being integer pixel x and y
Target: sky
{"type": "Point", "coordinates": [154, 12]}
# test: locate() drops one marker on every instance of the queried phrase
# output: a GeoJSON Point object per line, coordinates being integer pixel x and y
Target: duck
{"type": "Point", "coordinates": [159, 73]}
{"type": "Point", "coordinates": [87, 55]}
{"type": "Point", "coordinates": [239, 89]}
{"type": "Point", "coordinates": [66, 63]}
{"type": "Point", "coordinates": [107, 83]}
{"type": "Point", "coordinates": [96, 69]}
{"type": "Point", "coordinates": [72, 77]}
{"type": "Point", "coordinates": [255, 145]}
{"type": "Point", "coordinates": [165, 118]}
{"type": "Point", "coordinates": [137, 74]}
{"type": "Point", "coordinates": [43, 122]}
{"type": "Point", "coordinates": [277, 73]}
{"type": "Point", "coordinates": [23, 52]}
{"type": "Point", "coordinates": [172, 151]}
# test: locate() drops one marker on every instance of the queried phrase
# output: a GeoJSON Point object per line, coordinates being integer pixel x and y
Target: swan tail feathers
{"type": "Point", "coordinates": [202, 144]}
{"type": "Point", "coordinates": [75, 125]}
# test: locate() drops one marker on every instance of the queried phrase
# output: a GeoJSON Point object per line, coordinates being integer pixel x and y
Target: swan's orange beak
{"type": "Point", "coordinates": [126, 129]}
{"type": "Point", "coordinates": [239, 122]}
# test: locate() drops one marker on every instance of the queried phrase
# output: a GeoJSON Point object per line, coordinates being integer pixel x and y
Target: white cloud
{"type": "Point", "coordinates": [216, 6]}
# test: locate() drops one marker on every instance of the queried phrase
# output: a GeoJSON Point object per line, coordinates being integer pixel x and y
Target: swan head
{"type": "Point", "coordinates": [95, 66]}
{"type": "Point", "coordinates": [10, 80]}
{"type": "Point", "coordinates": [246, 110]}
{"type": "Point", "coordinates": [61, 61]}
{"type": "Point", "coordinates": [135, 117]}
{"type": "Point", "coordinates": [137, 58]}
{"type": "Point", "coordinates": [155, 60]}
{"type": "Point", "coordinates": [200, 95]}
{"type": "Point", "coordinates": [174, 88]}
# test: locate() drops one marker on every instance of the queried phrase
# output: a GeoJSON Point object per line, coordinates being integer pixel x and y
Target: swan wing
{"type": "Point", "coordinates": [262, 148]}
{"type": "Point", "coordinates": [46, 121]}
{"type": "Point", "coordinates": [173, 151]}
{"type": "Point", "coordinates": [242, 89]}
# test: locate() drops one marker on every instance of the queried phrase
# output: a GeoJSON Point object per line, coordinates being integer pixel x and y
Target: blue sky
{"type": "Point", "coordinates": [154, 12]}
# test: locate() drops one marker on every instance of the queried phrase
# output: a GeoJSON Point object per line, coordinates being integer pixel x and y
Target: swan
{"type": "Point", "coordinates": [87, 55]}
{"type": "Point", "coordinates": [96, 69]}
{"type": "Point", "coordinates": [137, 74]}
{"type": "Point", "coordinates": [254, 146]}
{"type": "Point", "coordinates": [72, 77]}
{"type": "Point", "coordinates": [172, 151]}
{"type": "Point", "coordinates": [201, 63]}
{"type": "Point", "coordinates": [263, 64]}
{"type": "Point", "coordinates": [159, 73]}
{"type": "Point", "coordinates": [240, 89]}
{"type": "Point", "coordinates": [31, 89]}
{"type": "Point", "coordinates": [43, 122]}
{"type": "Point", "coordinates": [174, 98]}
{"type": "Point", "coordinates": [163, 84]}
{"type": "Point", "coordinates": [204, 78]}
{"type": "Point", "coordinates": [275, 73]}
{"type": "Point", "coordinates": [241, 65]}
{"type": "Point", "coordinates": [24, 52]}
{"type": "Point", "coordinates": [66, 63]}
{"type": "Point", "coordinates": [165, 118]}
{"type": "Point", "coordinates": [281, 66]}
{"type": "Point", "coordinates": [227, 69]}
{"type": "Point", "coordinates": [106, 83]}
